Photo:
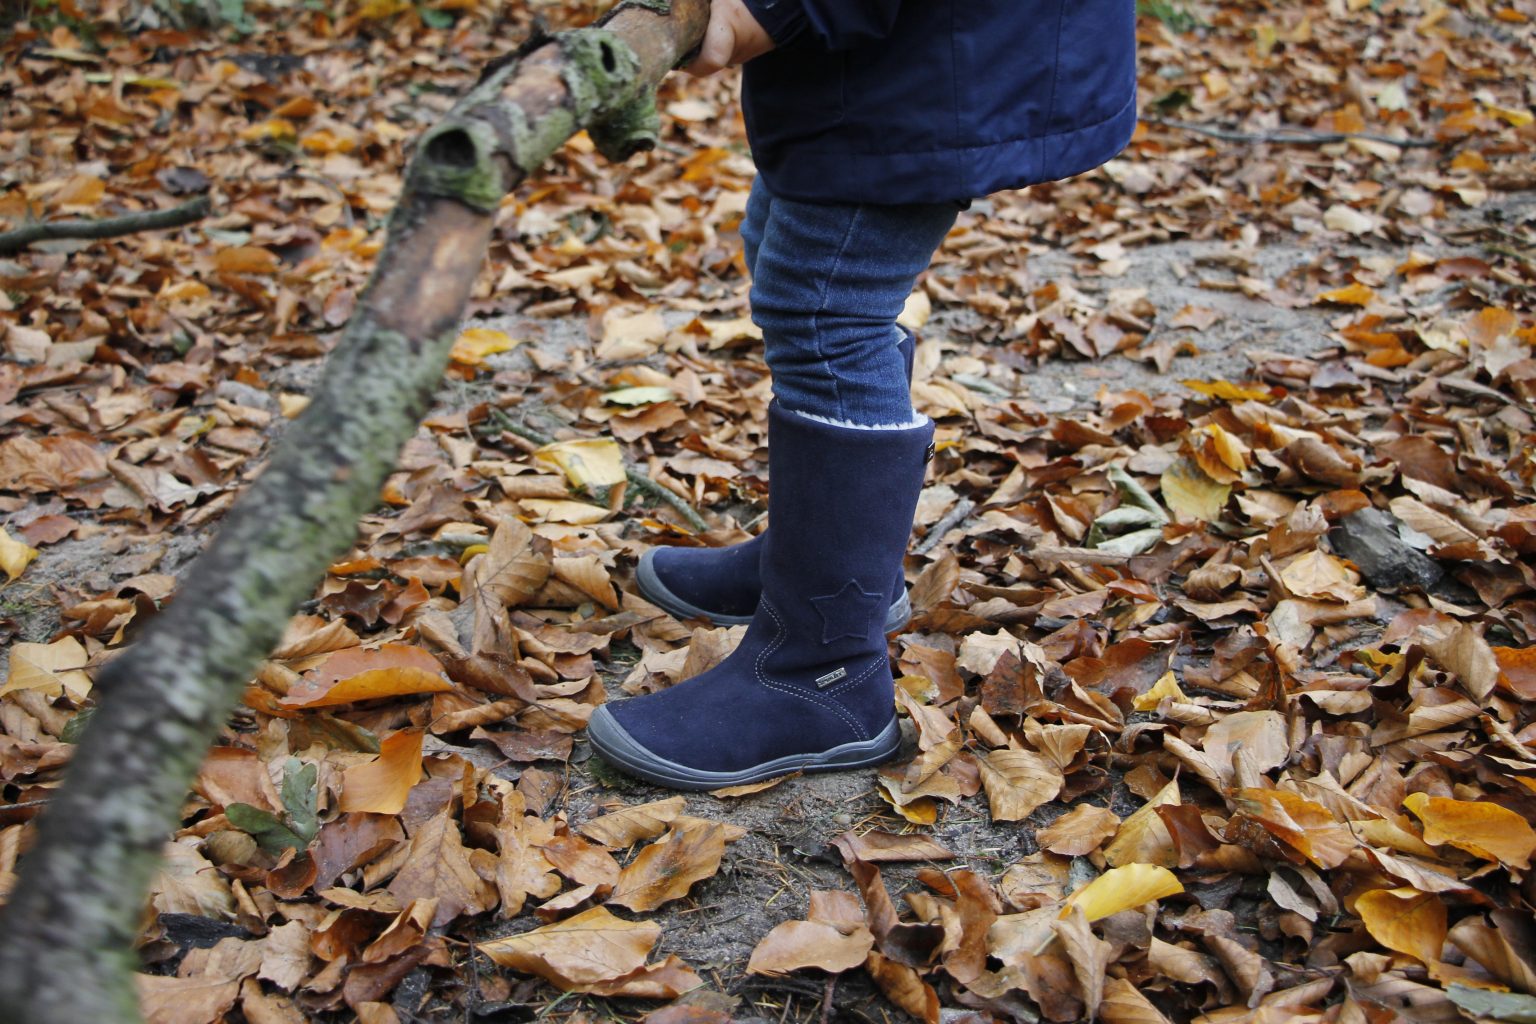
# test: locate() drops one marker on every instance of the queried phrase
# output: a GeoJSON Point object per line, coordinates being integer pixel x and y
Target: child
{"type": "Point", "coordinates": [872, 122]}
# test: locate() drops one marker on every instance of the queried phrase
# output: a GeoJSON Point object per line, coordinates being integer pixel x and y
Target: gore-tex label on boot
{"type": "Point", "coordinates": [822, 682]}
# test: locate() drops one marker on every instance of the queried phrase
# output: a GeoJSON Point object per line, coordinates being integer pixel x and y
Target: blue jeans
{"type": "Point", "coordinates": [828, 281]}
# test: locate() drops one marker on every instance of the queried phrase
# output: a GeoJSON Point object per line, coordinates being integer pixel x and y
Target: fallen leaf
{"type": "Point", "coordinates": [1479, 827]}
{"type": "Point", "coordinates": [669, 867]}
{"type": "Point", "coordinates": [439, 867]}
{"type": "Point", "coordinates": [796, 945]}
{"type": "Point", "coordinates": [1121, 889]}
{"type": "Point", "coordinates": [1079, 832]}
{"type": "Point", "coordinates": [14, 555]}
{"type": "Point", "coordinates": [1017, 782]}
{"type": "Point", "coordinates": [1405, 920]}
{"type": "Point", "coordinates": [581, 952]}
{"type": "Point", "coordinates": [472, 345]}
{"type": "Point", "coordinates": [54, 669]}
{"type": "Point", "coordinates": [627, 826]}
{"type": "Point", "coordinates": [382, 786]}
{"type": "Point", "coordinates": [363, 673]}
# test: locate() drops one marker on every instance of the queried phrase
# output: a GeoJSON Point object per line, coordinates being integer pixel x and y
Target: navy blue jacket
{"type": "Point", "coordinates": [934, 100]}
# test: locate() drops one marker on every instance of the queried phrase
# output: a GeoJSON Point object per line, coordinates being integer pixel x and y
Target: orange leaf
{"type": "Point", "coordinates": [1517, 669]}
{"type": "Point", "coordinates": [362, 673]}
{"type": "Point", "coordinates": [1405, 920]}
{"type": "Point", "coordinates": [245, 259]}
{"type": "Point", "coordinates": [381, 786]}
{"type": "Point", "coordinates": [1481, 828]}
{"type": "Point", "coordinates": [1350, 295]}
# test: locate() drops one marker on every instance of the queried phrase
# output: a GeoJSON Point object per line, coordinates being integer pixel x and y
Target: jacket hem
{"type": "Point", "coordinates": [930, 176]}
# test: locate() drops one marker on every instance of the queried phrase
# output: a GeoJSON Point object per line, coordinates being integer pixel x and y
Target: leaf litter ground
{"type": "Point", "coordinates": [1219, 687]}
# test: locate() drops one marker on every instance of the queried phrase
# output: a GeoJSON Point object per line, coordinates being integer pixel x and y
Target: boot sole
{"type": "Point", "coordinates": [655, 591]}
{"type": "Point", "coordinates": [619, 749]}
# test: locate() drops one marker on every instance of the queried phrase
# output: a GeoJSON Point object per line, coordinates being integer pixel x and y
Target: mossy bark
{"type": "Point", "coordinates": [66, 935]}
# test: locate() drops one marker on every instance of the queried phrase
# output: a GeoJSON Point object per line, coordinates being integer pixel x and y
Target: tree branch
{"type": "Point", "coordinates": [1290, 136]}
{"type": "Point", "coordinates": [108, 227]}
{"type": "Point", "coordinates": [66, 935]}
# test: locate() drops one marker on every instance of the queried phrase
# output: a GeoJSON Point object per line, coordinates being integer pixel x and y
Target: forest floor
{"type": "Point", "coordinates": [1298, 735]}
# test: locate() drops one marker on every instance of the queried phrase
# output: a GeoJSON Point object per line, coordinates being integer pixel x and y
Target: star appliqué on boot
{"type": "Point", "coordinates": [848, 612]}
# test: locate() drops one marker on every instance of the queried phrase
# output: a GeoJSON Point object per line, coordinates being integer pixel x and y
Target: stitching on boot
{"type": "Point", "coordinates": [814, 698]}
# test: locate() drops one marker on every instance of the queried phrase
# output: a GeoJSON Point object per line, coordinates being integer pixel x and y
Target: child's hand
{"type": "Point", "coordinates": [733, 37]}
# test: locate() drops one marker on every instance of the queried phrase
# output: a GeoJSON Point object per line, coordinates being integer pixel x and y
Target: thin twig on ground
{"type": "Point", "coordinates": [641, 482]}
{"type": "Point", "coordinates": [953, 518]}
{"type": "Point", "coordinates": [1291, 136]}
{"type": "Point", "coordinates": [108, 227]}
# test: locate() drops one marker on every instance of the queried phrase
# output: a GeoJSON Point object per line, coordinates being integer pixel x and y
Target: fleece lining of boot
{"type": "Point", "coordinates": [917, 420]}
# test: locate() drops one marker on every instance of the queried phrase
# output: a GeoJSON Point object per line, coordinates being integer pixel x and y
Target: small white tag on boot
{"type": "Point", "coordinates": [822, 682]}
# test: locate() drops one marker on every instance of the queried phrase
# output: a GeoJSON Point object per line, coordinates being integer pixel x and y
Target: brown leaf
{"type": "Point", "coordinates": [796, 945]}
{"type": "Point", "coordinates": [1123, 1003]}
{"type": "Point", "coordinates": [522, 870]}
{"type": "Point", "coordinates": [1079, 832]}
{"type": "Point", "coordinates": [879, 847]}
{"type": "Point", "coordinates": [438, 866]}
{"type": "Point", "coordinates": [581, 952]}
{"type": "Point", "coordinates": [669, 867]}
{"type": "Point", "coordinates": [201, 1000]}
{"type": "Point", "coordinates": [904, 987]}
{"type": "Point", "coordinates": [1017, 782]}
{"type": "Point", "coordinates": [1143, 838]}
{"type": "Point", "coordinates": [1468, 655]}
{"type": "Point", "coordinates": [627, 826]}
{"type": "Point", "coordinates": [1089, 954]}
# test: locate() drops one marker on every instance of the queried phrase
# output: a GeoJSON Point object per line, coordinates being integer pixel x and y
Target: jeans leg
{"type": "Point", "coordinates": [828, 281]}
{"type": "Point", "coordinates": [759, 205]}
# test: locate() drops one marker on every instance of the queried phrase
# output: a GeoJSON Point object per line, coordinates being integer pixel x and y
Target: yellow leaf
{"type": "Point", "coordinates": [276, 129]}
{"type": "Point", "coordinates": [14, 555]}
{"type": "Point", "coordinates": [1227, 391]}
{"type": "Point", "coordinates": [472, 346]}
{"type": "Point", "coordinates": [920, 810]}
{"type": "Point", "coordinates": [53, 668]}
{"type": "Point", "coordinates": [1232, 452]}
{"type": "Point", "coordinates": [1481, 828]}
{"type": "Point", "coordinates": [1167, 686]}
{"type": "Point", "coordinates": [588, 463]}
{"type": "Point", "coordinates": [1350, 295]}
{"type": "Point", "coordinates": [362, 673]}
{"type": "Point", "coordinates": [1188, 491]}
{"type": "Point", "coordinates": [1405, 920]}
{"type": "Point", "coordinates": [1121, 889]}
{"type": "Point", "coordinates": [381, 786]}
{"type": "Point", "coordinates": [1517, 118]}
{"type": "Point", "coordinates": [575, 513]}
{"type": "Point", "coordinates": [378, 10]}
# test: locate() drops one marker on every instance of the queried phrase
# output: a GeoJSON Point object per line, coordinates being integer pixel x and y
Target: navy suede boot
{"type": "Point", "coordinates": [722, 584]}
{"type": "Point", "coordinates": [809, 688]}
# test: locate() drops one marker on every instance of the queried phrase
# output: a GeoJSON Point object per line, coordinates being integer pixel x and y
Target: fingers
{"type": "Point", "coordinates": [715, 52]}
